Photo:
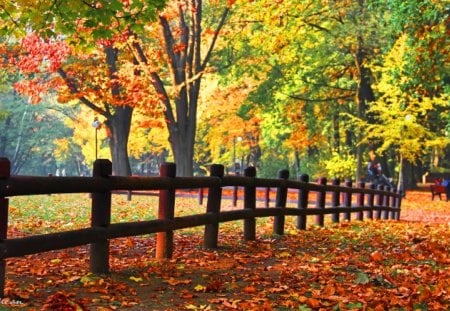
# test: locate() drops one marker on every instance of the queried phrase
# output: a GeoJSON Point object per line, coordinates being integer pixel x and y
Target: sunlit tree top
{"type": "Point", "coordinates": [64, 16]}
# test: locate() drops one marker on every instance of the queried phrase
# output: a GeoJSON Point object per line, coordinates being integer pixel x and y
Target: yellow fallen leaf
{"type": "Point", "coordinates": [56, 261]}
{"type": "Point", "coordinates": [293, 232]}
{"type": "Point", "coordinates": [284, 254]}
{"type": "Point", "coordinates": [200, 288]}
{"type": "Point", "coordinates": [136, 279]}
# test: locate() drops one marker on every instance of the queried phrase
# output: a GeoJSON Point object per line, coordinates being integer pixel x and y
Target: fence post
{"type": "Point", "coordinates": [393, 202]}
{"type": "Point", "coordinates": [213, 207]}
{"type": "Point", "coordinates": [360, 200]}
{"type": "Point", "coordinates": [302, 202]}
{"type": "Point", "coordinates": [100, 217]}
{"type": "Point", "coordinates": [379, 202]}
{"type": "Point", "coordinates": [166, 211]}
{"type": "Point", "coordinates": [201, 193]}
{"type": "Point", "coordinates": [386, 202]}
{"type": "Point", "coordinates": [267, 197]}
{"type": "Point", "coordinates": [235, 193]}
{"type": "Point", "coordinates": [5, 168]}
{"type": "Point", "coordinates": [320, 202]}
{"type": "Point", "coordinates": [250, 203]}
{"type": "Point", "coordinates": [335, 202]}
{"type": "Point", "coordinates": [398, 203]}
{"type": "Point", "coordinates": [347, 198]}
{"type": "Point", "coordinates": [280, 202]}
{"type": "Point", "coordinates": [370, 202]}
{"type": "Point", "coordinates": [5, 172]}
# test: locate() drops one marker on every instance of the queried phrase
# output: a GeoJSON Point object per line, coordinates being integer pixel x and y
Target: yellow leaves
{"type": "Point", "coordinates": [194, 307]}
{"type": "Point", "coordinates": [200, 288]}
{"type": "Point", "coordinates": [284, 254]}
{"type": "Point", "coordinates": [91, 279]}
{"type": "Point", "coordinates": [136, 279]}
{"type": "Point", "coordinates": [61, 151]}
{"type": "Point", "coordinates": [175, 282]}
{"type": "Point", "coordinates": [56, 261]}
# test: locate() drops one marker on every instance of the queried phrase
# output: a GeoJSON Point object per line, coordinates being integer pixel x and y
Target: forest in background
{"type": "Point", "coordinates": [306, 85]}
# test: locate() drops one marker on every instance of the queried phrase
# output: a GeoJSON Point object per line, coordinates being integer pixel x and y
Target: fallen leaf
{"type": "Point", "coordinates": [250, 289]}
{"type": "Point", "coordinates": [200, 288]}
{"type": "Point", "coordinates": [376, 256]}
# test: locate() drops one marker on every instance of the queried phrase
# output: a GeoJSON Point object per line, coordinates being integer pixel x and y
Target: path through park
{"type": "Point", "coordinates": [370, 265]}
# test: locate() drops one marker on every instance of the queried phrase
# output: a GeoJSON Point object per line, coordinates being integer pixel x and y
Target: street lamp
{"type": "Point", "coordinates": [239, 139]}
{"type": "Point", "coordinates": [401, 181]}
{"type": "Point", "coordinates": [96, 124]}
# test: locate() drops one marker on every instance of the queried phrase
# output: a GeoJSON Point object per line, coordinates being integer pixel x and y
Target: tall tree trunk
{"type": "Point", "coordinates": [364, 95]}
{"type": "Point", "coordinates": [186, 67]}
{"type": "Point", "coordinates": [119, 126]}
{"type": "Point", "coordinates": [408, 175]}
{"type": "Point", "coordinates": [297, 164]}
{"type": "Point", "coordinates": [183, 150]}
{"type": "Point", "coordinates": [119, 121]}
{"type": "Point", "coordinates": [117, 118]}
{"type": "Point", "coordinates": [336, 133]}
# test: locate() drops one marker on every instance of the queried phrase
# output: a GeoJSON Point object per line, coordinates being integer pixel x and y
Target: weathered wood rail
{"type": "Point", "coordinates": [343, 201]}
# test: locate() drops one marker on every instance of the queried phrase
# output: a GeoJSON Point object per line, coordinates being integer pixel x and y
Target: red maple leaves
{"type": "Point", "coordinates": [38, 61]}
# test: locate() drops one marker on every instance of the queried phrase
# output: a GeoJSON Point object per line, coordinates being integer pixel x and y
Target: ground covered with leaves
{"type": "Point", "coordinates": [370, 265]}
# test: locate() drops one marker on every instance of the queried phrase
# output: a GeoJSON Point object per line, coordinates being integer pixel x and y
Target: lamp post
{"type": "Point", "coordinates": [96, 124]}
{"type": "Point", "coordinates": [239, 139]}
{"type": "Point", "coordinates": [401, 181]}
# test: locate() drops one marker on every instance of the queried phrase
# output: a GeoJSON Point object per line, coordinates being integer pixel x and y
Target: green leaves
{"type": "Point", "coordinates": [362, 278]}
{"type": "Point", "coordinates": [56, 17]}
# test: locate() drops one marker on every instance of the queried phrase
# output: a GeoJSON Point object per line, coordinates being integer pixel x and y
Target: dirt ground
{"type": "Point", "coordinates": [302, 271]}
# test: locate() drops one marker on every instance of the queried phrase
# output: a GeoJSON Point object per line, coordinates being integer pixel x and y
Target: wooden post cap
{"type": "Point", "coordinates": [5, 168]}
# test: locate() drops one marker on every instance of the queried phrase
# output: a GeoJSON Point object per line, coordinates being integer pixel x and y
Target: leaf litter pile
{"type": "Point", "coordinates": [369, 265]}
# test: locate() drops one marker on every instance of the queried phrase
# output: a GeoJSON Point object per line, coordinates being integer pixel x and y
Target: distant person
{"type": "Point", "coordinates": [373, 168]}
{"type": "Point", "coordinates": [375, 174]}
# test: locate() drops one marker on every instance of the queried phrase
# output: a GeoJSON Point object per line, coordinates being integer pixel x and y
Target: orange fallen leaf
{"type": "Point", "coordinates": [250, 289]}
{"type": "Point", "coordinates": [186, 295]}
{"type": "Point", "coordinates": [313, 303]}
{"type": "Point", "coordinates": [376, 256]}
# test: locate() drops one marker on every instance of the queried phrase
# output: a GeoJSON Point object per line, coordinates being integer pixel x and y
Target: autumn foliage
{"type": "Point", "coordinates": [370, 265]}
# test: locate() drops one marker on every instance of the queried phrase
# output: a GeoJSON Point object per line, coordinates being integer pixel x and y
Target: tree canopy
{"type": "Point", "coordinates": [311, 85]}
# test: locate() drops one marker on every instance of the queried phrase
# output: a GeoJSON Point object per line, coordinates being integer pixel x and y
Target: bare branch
{"type": "Point", "coordinates": [216, 34]}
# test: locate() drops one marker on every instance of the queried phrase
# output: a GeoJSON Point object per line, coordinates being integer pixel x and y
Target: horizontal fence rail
{"type": "Point", "coordinates": [319, 199]}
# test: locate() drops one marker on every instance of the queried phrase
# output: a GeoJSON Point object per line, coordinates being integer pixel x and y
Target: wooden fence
{"type": "Point", "coordinates": [317, 199]}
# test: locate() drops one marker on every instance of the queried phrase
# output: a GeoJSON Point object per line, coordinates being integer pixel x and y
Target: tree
{"type": "Point", "coordinates": [412, 111]}
{"type": "Point", "coordinates": [224, 136]}
{"type": "Point", "coordinates": [184, 66]}
{"type": "Point", "coordinates": [314, 58]}
{"type": "Point", "coordinates": [83, 25]}
{"type": "Point", "coordinates": [53, 66]}
{"type": "Point", "coordinates": [29, 137]}
{"type": "Point", "coordinates": [182, 45]}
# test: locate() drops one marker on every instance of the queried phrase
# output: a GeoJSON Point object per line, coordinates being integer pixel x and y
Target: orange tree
{"type": "Point", "coordinates": [223, 135]}
{"type": "Point", "coordinates": [170, 56]}
{"type": "Point", "coordinates": [175, 63]}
